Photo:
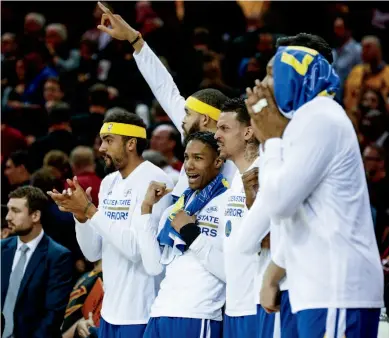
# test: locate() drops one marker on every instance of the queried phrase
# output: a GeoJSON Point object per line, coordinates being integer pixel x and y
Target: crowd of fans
{"type": "Point", "coordinates": [58, 82]}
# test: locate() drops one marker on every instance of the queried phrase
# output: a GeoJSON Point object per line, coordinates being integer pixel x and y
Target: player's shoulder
{"type": "Point", "coordinates": [322, 112]}
{"type": "Point", "coordinates": [153, 173]}
{"type": "Point", "coordinates": [108, 179]}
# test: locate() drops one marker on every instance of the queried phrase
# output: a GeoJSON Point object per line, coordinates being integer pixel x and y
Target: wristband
{"type": "Point", "coordinates": [136, 40]}
{"type": "Point", "coordinates": [87, 207]}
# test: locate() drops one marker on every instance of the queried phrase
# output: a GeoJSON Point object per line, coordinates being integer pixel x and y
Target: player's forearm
{"type": "Point", "coordinates": [148, 244]}
{"type": "Point", "coordinates": [254, 228]}
{"type": "Point", "coordinates": [89, 240]}
{"type": "Point", "coordinates": [161, 84]}
{"type": "Point", "coordinates": [273, 275]}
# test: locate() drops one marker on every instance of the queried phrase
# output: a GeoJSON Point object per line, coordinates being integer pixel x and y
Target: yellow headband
{"type": "Point", "coordinates": [202, 108]}
{"type": "Point", "coordinates": [123, 129]}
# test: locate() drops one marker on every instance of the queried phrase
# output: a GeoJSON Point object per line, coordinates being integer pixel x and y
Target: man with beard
{"type": "Point", "coordinates": [199, 112]}
{"type": "Point", "coordinates": [244, 272]}
{"type": "Point", "coordinates": [312, 179]}
{"type": "Point", "coordinates": [36, 272]}
{"type": "Point", "coordinates": [192, 294]}
{"type": "Point", "coordinates": [109, 233]}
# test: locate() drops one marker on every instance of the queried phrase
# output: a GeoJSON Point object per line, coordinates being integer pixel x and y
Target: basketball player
{"type": "Point", "coordinates": [312, 178]}
{"type": "Point", "coordinates": [108, 233]}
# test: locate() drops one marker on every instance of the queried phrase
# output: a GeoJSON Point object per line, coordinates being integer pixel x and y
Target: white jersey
{"type": "Point", "coordinates": [241, 269]}
{"type": "Point", "coordinates": [253, 229]}
{"type": "Point", "coordinates": [313, 180]}
{"type": "Point", "coordinates": [194, 283]}
{"type": "Point", "coordinates": [166, 92]}
{"type": "Point", "coordinates": [110, 235]}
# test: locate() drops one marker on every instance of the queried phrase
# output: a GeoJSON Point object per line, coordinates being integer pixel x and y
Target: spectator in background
{"type": "Point", "coordinates": [100, 38]}
{"type": "Point", "coordinates": [87, 126]}
{"type": "Point", "coordinates": [373, 73]}
{"type": "Point", "coordinates": [59, 137]}
{"type": "Point", "coordinates": [53, 92]}
{"type": "Point", "coordinates": [83, 166]}
{"type": "Point", "coordinates": [36, 306]}
{"type": "Point", "coordinates": [378, 184]}
{"type": "Point", "coordinates": [37, 71]}
{"type": "Point", "coordinates": [65, 60]}
{"type": "Point", "coordinates": [58, 162]}
{"type": "Point", "coordinates": [8, 58]}
{"type": "Point", "coordinates": [34, 24]}
{"type": "Point", "coordinates": [156, 158]}
{"type": "Point", "coordinates": [80, 292]}
{"type": "Point", "coordinates": [11, 140]}
{"type": "Point", "coordinates": [17, 169]}
{"type": "Point", "coordinates": [212, 75]}
{"type": "Point", "coordinates": [347, 53]}
{"type": "Point", "coordinates": [5, 231]}
{"type": "Point", "coordinates": [165, 139]}
{"type": "Point", "coordinates": [60, 226]}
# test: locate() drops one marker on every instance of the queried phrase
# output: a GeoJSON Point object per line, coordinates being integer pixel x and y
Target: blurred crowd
{"type": "Point", "coordinates": [60, 75]}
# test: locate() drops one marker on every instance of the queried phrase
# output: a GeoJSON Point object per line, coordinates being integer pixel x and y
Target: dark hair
{"type": "Point", "coordinates": [36, 199]}
{"type": "Point", "coordinates": [237, 105]}
{"type": "Point", "coordinates": [121, 115]}
{"type": "Point", "coordinates": [59, 113]}
{"type": "Point", "coordinates": [206, 137]}
{"type": "Point", "coordinates": [57, 81]}
{"type": "Point", "coordinates": [20, 157]}
{"type": "Point", "coordinates": [213, 97]}
{"type": "Point", "coordinates": [45, 180]}
{"type": "Point", "coordinates": [98, 95]}
{"type": "Point", "coordinates": [310, 41]}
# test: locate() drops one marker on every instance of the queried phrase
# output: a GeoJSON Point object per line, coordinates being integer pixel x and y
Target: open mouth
{"type": "Point", "coordinates": [193, 177]}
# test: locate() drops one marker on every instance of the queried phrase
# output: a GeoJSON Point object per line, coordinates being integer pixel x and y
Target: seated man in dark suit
{"type": "Point", "coordinates": [36, 272]}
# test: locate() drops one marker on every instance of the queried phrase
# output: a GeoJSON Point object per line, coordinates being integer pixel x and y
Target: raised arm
{"type": "Point", "coordinates": [155, 73]}
{"type": "Point", "coordinates": [254, 227]}
{"type": "Point", "coordinates": [154, 210]}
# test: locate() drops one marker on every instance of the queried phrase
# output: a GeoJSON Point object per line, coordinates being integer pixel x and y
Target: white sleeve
{"type": "Point", "coordinates": [122, 237]}
{"type": "Point", "coordinates": [89, 240]}
{"type": "Point", "coordinates": [286, 181]}
{"type": "Point", "coordinates": [161, 84]}
{"type": "Point", "coordinates": [278, 250]}
{"type": "Point", "coordinates": [210, 256]}
{"type": "Point", "coordinates": [147, 232]}
{"type": "Point", "coordinates": [254, 227]}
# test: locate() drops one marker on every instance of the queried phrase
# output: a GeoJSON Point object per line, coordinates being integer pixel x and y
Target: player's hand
{"type": "Point", "coordinates": [266, 119]}
{"type": "Point", "coordinates": [83, 326]}
{"type": "Point", "coordinates": [250, 183]}
{"type": "Point", "coordinates": [181, 219]}
{"type": "Point", "coordinates": [155, 192]}
{"type": "Point", "coordinates": [120, 29]}
{"type": "Point", "coordinates": [269, 298]}
{"type": "Point", "coordinates": [74, 199]}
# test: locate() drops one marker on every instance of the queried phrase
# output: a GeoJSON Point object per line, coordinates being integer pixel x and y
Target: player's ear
{"type": "Point", "coordinates": [219, 162]}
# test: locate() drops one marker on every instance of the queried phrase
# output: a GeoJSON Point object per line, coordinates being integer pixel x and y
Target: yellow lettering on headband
{"type": "Point", "coordinates": [123, 129]}
{"type": "Point", "coordinates": [202, 108]}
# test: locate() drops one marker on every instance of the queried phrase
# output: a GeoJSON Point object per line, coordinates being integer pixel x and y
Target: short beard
{"type": "Point", "coordinates": [23, 232]}
{"type": "Point", "coordinates": [195, 128]}
{"type": "Point", "coordinates": [109, 169]}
